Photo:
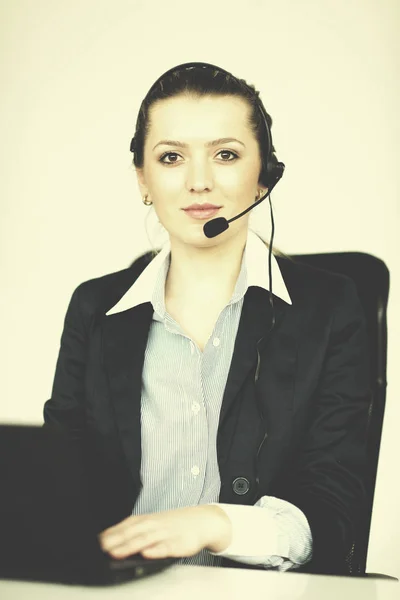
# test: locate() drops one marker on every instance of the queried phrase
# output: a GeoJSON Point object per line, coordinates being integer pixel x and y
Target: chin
{"type": "Point", "coordinates": [199, 239]}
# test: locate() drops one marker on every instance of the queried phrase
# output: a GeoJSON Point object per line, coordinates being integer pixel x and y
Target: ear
{"type": "Point", "coordinates": [141, 182]}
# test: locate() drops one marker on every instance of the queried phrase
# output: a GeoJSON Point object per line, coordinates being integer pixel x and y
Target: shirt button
{"type": "Point", "coordinates": [195, 470]}
{"type": "Point", "coordinates": [216, 341]}
{"type": "Point", "coordinates": [195, 407]}
{"type": "Point", "coordinates": [241, 486]}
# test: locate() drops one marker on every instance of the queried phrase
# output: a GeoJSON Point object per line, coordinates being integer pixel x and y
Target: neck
{"type": "Point", "coordinates": [205, 272]}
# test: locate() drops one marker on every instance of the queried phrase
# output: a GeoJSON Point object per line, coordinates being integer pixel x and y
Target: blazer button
{"type": "Point", "coordinates": [241, 485]}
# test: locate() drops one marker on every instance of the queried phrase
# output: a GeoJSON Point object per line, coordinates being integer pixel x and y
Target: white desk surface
{"type": "Point", "coordinates": [208, 583]}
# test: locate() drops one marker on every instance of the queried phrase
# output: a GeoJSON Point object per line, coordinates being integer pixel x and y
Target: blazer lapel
{"type": "Point", "coordinates": [124, 343]}
{"type": "Point", "coordinates": [255, 324]}
{"type": "Point", "coordinates": [276, 388]}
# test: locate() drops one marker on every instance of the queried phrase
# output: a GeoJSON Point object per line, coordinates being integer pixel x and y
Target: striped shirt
{"type": "Point", "coordinates": [182, 391]}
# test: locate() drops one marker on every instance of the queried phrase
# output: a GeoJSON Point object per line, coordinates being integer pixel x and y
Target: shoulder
{"type": "Point", "coordinates": [308, 284]}
{"type": "Point", "coordinates": [99, 294]}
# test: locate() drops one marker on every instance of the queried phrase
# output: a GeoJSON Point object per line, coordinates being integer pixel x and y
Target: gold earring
{"type": "Point", "coordinates": [145, 201]}
{"type": "Point", "coordinates": [260, 193]}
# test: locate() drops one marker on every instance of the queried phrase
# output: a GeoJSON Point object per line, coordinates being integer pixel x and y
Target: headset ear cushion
{"type": "Point", "coordinates": [275, 171]}
{"type": "Point", "coordinates": [272, 162]}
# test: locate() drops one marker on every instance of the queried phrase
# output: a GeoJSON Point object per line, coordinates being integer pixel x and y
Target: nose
{"type": "Point", "coordinates": [199, 175]}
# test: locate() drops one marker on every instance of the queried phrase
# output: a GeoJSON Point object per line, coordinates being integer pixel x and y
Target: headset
{"type": "Point", "coordinates": [274, 172]}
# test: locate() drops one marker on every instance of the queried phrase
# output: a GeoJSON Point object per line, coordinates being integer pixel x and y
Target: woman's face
{"type": "Point", "coordinates": [184, 164]}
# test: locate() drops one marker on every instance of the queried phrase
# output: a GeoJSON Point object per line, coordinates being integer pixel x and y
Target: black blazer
{"type": "Point", "coordinates": [313, 388]}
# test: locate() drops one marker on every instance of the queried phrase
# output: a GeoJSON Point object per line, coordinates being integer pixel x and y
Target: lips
{"type": "Point", "coordinates": [204, 206]}
{"type": "Point", "coordinates": [202, 213]}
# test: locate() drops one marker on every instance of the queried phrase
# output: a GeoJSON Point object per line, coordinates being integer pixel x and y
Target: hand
{"type": "Point", "coordinates": [180, 532]}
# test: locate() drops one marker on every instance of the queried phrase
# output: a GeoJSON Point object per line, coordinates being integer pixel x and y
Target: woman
{"type": "Point", "coordinates": [210, 434]}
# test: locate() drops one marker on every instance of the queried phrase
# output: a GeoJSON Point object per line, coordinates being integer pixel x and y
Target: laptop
{"type": "Point", "coordinates": [46, 529]}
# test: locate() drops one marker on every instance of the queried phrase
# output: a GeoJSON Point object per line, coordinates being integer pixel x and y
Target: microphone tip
{"type": "Point", "coordinates": [215, 227]}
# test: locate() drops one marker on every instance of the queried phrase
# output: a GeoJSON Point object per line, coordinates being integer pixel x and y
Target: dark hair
{"type": "Point", "coordinates": [203, 82]}
{"type": "Point", "coordinates": [200, 81]}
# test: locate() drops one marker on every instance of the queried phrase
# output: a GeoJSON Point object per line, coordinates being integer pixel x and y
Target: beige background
{"type": "Point", "coordinates": [73, 75]}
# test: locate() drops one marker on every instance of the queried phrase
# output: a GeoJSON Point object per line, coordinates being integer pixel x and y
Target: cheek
{"type": "Point", "coordinates": [244, 182]}
{"type": "Point", "coordinates": [236, 180]}
{"type": "Point", "coordinates": [164, 178]}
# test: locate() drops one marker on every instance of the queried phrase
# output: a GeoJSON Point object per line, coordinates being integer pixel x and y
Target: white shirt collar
{"type": "Point", "coordinates": [254, 265]}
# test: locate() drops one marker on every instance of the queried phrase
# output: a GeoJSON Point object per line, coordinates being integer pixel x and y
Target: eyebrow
{"type": "Point", "coordinates": [207, 144]}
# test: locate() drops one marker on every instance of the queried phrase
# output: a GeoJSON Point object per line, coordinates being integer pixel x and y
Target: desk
{"type": "Point", "coordinates": [181, 582]}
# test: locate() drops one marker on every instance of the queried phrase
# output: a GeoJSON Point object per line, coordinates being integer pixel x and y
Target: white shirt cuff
{"type": "Point", "coordinates": [273, 532]}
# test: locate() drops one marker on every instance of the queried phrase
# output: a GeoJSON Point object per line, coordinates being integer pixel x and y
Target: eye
{"type": "Point", "coordinates": [235, 156]}
{"type": "Point", "coordinates": [161, 159]}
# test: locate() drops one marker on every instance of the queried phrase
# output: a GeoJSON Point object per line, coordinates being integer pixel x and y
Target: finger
{"type": "Point", "coordinates": [160, 550]}
{"type": "Point", "coordinates": [130, 530]}
{"type": "Point", "coordinates": [136, 544]}
{"type": "Point", "coordinates": [123, 524]}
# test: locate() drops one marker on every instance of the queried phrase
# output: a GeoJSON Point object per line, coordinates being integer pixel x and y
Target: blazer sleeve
{"type": "Point", "coordinates": [327, 478]}
{"type": "Point", "coordinates": [65, 408]}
